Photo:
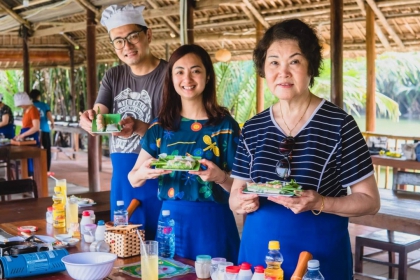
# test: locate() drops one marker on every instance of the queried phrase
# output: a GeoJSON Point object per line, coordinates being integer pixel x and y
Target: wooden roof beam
{"type": "Point", "coordinates": [378, 30]}
{"type": "Point", "coordinates": [15, 16]}
{"type": "Point", "coordinates": [71, 41]}
{"type": "Point", "coordinates": [32, 3]}
{"type": "Point", "coordinates": [89, 6]}
{"type": "Point", "coordinates": [68, 27]}
{"type": "Point", "coordinates": [165, 18]}
{"type": "Point", "coordinates": [248, 13]}
{"type": "Point", "coordinates": [256, 14]}
{"type": "Point", "coordinates": [385, 23]}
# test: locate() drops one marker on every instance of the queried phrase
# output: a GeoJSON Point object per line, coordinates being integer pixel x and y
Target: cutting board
{"type": "Point", "coordinates": [22, 143]}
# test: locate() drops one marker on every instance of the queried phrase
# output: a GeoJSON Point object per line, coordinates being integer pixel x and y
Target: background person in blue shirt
{"type": "Point", "coordinates": [45, 113]}
{"type": "Point", "coordinates": [7, 126]}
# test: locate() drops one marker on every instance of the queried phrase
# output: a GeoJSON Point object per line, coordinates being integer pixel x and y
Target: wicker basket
{"type": "Point", "coordinates": [124, 240]}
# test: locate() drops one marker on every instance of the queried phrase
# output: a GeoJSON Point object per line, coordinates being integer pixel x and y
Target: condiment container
{"type": "Point", "coordinates": [258, 273]}
{"type": "Point", "coordinates": [231, 272]}
{"type": "Point", "coordinates": [213, 269]}
{"type": "Point", "coordinates": [84, 221]}
{"type": "Point", "coordinates": [100, 231]}
{"type": "Point", "coordinates": [302, 265]}
{"type": "Point", "coordinates": [221, 269]}
{"type": "Point", "coordinates": [89, 233]}
{"type": "Point", "coordinates": [49, 215]}
{"type": "Point", "coordinates": [245, 272]}
{"type": "Point", "coordinates": [202, 266]}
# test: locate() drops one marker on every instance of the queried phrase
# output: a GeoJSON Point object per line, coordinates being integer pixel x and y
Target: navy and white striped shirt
{"type": "Point", "coordinates": [329, 155]}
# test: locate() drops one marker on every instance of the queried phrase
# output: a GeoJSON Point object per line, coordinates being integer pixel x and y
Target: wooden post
{"type": "Point", "coordinates": [93, 145]}
{"type": "Point", "coordinates": [260, 81]}
{"type": "Point", "coordinates": [72, 89]}
{"type": "Point", "coordinates": [25, 56]}
{"type": "Point", "coordinates": [336, 13]}
{"type": "Point", "coordinates": [190, 22]}
{"type": "Point", "coordinates": [370, 70]}
{"type": "Point", "coordinates": [167, 52]}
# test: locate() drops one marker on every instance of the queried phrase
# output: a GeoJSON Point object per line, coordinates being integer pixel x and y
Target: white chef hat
{"type": "Point", "coordinates": [117, 15]}
{"type": "Point", "coordinates": [22, 99]}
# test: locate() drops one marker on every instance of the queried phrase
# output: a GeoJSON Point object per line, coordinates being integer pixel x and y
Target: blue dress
{"type": "Point", "coordinates": [204, 224]}
{"type": "Point", "coordinates": [329, 155]}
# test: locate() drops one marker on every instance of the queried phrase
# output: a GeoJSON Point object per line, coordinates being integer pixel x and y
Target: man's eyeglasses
{"type": "Point", "coordinates": [285, 149]}
{"type": "Point", "coordinates": [132, 38]}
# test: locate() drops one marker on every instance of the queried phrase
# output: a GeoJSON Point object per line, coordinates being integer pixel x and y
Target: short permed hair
{"type": "Point", "coordinates": [293, 29]}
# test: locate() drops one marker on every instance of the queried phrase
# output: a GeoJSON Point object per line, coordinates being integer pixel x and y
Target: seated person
{"type": "Point", "coordinates": [7, 126]}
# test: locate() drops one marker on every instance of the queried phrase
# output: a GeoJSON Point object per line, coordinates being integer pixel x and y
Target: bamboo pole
{"type": "Point", "coordinates": [260, 80]}
{"type": "Point", "coordinates": [336, 10]}
{"type": "Point", "coordinates": [93, 145]}
{"type": "Point", "coordinates": [25, 57]}
{"type": "Point", "coordinates": [370, 70]}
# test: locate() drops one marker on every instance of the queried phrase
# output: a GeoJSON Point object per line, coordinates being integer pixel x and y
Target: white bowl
{"type": "Point", "coordinates": [89, 265]}
{"type": "Point", "coordinates": [62, 236]}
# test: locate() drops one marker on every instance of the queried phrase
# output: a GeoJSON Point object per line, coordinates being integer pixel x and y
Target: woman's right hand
{"type": "Point", "coordinates": [242, 203]}
{"type": "Point", "coordinates": [145, 171]}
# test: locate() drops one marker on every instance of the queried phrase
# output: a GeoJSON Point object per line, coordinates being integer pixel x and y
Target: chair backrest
{"type": "Point", "coordinates": [406, 178]}
{"type": "Point", "coordinates": [18, 186]}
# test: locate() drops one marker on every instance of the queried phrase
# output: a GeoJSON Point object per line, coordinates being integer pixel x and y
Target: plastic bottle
{"type": "Point", "coordinates": [202, 266]}
{"type": "Point", "coordinates": [49, 215]}
{"type": "Point", "coordinates": [245, 272]}
{"type": "Point", "coordinates": [313, 272]}
{"type": "Point", "coordinates": [232, 272]}
{"type": "Point", "coordinates": [100, 231]}
{"type": "Point", "coordinates": [258, 273]}
{"type": "Point", "coordinates": [59, 214]}
{"type": "Point", "coordinates": [120, 215]}
{"type": "Point", "coordinates": [274, 259]}
{"type": "Point", "coordinates": [166, 235]}
{"type": "Point", "coordinates": [85, 221]}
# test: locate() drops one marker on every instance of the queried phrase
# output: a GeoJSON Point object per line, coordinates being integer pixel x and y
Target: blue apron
{"type": "Point", "coordinates": [147, 213]}
{"type": "Point", "coordinates": [36, 138]}
{"type": "Point", "coordinates": [325, 236]}
{"type": "Point", "coordinates": [203, 228]}
{"type": "Point", "coordinates": [8, 131]}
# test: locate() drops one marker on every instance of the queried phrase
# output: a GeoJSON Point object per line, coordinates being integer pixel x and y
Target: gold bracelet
{"type": "Point", "coordinates": [322, 207]}
{"type": "Point", "coordinates": [224, 180]}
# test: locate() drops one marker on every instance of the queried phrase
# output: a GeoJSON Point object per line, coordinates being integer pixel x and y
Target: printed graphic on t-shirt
{"type": "Point", "coordinates": [138, 105]}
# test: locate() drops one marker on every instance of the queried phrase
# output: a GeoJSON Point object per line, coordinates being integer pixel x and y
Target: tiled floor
{"type": "Point", "coordinates": [76, 174]}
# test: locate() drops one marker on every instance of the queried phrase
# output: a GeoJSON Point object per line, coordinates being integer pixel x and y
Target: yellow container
{"type": "Point", "coordinates": [59, 213]}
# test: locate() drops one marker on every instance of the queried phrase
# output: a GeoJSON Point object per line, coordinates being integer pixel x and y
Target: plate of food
{"type": "Point", "coordinates": [177, 163]}
{"type": "Point", "coordinates": [82, 201]}
{"type": "Point", "coordinates": [58, 244]}
{"type": "Point", "coordinates": [274, 188]}
{"type": "Point", "coordinates": [106, 123]}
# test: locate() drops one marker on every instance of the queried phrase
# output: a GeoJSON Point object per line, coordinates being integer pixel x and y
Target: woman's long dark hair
{"type": "Point", "coordinates": [170, 112]}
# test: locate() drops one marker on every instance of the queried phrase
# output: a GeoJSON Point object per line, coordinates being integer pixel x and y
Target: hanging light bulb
{"type": "Point", "coordinates": [223, 55]}
{"type": "Point", "coordinates": [25, 3]}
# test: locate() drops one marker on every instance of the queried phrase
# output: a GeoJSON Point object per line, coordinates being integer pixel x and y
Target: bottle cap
{"type": "Point", "coordinates": [313, 264]}
{"type": "Point", "coordinates": [232, 269]}
{"type": "Point", "coordinates": [86, 214]}
{"type": "Point", "coordinates": [203, 258]}
{"type": "Point", "coordinates": [49, 209]}
{"type": "Point", "coordinates": [274, 245]}
{"type": "Point", "coordinates": [245, 266]}
{"type": "Point", "coordinates": [259, 269]}
{"type": "Point", "coordinates": [217, 260]}
{"type": "Point", "coordinates": [120, 202]}
{"type": "Point", "coordinates": [101, 223]}
{"type": "Point", "coordinates": [166, 212]}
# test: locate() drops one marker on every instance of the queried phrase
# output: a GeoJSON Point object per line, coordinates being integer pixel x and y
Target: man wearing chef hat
{"type": "Point", "coordinates": [133, 90]}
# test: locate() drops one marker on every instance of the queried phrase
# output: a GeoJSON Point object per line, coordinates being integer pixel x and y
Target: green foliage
{"type": "Point", "coordinates": [11, 82]}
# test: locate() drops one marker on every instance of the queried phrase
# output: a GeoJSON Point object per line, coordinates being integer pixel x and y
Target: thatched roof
{"type": "Point", "coordinates": [57, 24]}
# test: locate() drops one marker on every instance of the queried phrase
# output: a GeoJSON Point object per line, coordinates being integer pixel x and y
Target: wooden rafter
{"type": "Point", "coordinates": [14, 15]}
{"type": "Point", "coordinates": [87, 5]}
{"type": "Point", "coordinates": [32, 3]}
{"type": "Point", "coordinates": [69, 27]}
{"type": "Point", "coordinates": [168, 21]}
{"type": "Point", "coordinates": [256, 14]}
{"type": "Point", "coordinates": [71, 41]}
{"type": "Point", "coordinates": [378, 30]}
{"type": "Point", "coordinates": [248, 13]}
{"type": "Point", "coordinates": [385, 23]}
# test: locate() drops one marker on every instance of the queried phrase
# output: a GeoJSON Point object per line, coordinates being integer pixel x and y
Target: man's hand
{"type": "Point", "coordinates": [86, 120]}
{"type": "Point", "coordinates": [129, 126]}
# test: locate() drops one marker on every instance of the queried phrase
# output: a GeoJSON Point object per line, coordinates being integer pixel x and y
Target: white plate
{"type": "Point", "coordinates": [63, 236]}
{"type": "Point", "coordinates": [86, 204]}
{"type": "Point", "coordinates": [45, 238]}
{"type": "Point", "coordinates": [268, 194]}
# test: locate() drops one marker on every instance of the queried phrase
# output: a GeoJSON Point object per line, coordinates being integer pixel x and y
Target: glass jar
{"type": "Point", "coordinates": [202, 266]}
{"type": "Point", "coordinates": [99, 246]}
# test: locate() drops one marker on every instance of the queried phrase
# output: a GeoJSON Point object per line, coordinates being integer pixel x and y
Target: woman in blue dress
{"type": "Point", "coordinates": [192, 123]}
{"type": "Point", "coordinates": [307, 139]}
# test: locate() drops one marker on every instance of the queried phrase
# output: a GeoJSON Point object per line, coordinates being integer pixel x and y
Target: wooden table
{"type": "Point", "coordinates": [39, 157]}
{"type": "Point", "coordinates": [35, 208]}
{"type": "Point", "coordinates": [396, 163]}
{"type": "Point", "coordinates": [82, 247]}
{"type": "Point", "coordinates": [399, 212]}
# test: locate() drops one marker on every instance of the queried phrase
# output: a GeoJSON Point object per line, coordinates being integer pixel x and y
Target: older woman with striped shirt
{"type": "Point", "coordinates": [309, 140]}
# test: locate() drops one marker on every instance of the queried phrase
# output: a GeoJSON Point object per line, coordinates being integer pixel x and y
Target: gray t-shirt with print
{"type": "Point", "coordinates": [139, 97]}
